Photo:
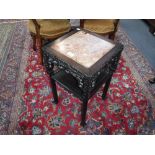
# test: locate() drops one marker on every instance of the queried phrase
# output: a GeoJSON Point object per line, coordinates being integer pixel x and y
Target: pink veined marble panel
{"type": "Point", "coordinates": [84, 48]}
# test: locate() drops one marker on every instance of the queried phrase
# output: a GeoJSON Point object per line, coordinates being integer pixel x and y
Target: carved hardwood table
{"type": "Point", "coordinates": [84, 62]}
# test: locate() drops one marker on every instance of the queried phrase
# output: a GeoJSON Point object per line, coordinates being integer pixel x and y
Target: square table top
{"type": "Point", "coordinates": [85, 51]}
{"type": "Point", "coordinates": [84, 48]}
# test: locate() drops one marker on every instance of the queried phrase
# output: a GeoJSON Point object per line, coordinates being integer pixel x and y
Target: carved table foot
{"type": "Point", "coordinates": [83, 124]}
{"type": "Point", "coordinates": [104, 96]}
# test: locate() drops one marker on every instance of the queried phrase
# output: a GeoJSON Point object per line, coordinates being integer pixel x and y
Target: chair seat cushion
{"type": "Point", "coordinates": [101, 26]}
{"type": "Point", "coordinates": [51, 28]}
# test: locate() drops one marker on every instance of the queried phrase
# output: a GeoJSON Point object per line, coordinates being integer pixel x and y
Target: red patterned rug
{"type": "Point", "coordinates": [123, 112]}
{"type": "Point", "coordinates": [26, 100]}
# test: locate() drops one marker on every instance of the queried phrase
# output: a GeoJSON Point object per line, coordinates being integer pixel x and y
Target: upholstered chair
{"type": "Point", "coordinates": [101, 26]}
{"type": "Point", "coordinates": [47, 29]}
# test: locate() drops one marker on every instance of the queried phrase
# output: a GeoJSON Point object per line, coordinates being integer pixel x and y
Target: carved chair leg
{"type": "Point", "coordinates": [34, 42]}
{"type": "Point", "coordinates": [38, 47]}
{"type": "Point", "coordinates": [54, 91]}
{"type": "Point", "coordinates": [106, 88]}
{"type": "Point", "coordinates": [112, 36]}
{"type": "Point", "coordinates": [41, 52]}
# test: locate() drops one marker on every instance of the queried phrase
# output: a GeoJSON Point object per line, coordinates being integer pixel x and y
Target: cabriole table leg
{"type": "Point", "coordinates": [54, 91]}
{"type": "Point", "coordinates": [83, 112]}
{"type": "Point", "coordinates": [105, 90]}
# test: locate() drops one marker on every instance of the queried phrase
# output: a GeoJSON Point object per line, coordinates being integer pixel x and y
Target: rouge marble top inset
{"type": "Point", "coordinates": [84, 48]}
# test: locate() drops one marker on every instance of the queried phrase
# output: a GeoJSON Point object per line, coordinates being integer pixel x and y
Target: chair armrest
{"type": "Point", "coordinates": [37, 27]}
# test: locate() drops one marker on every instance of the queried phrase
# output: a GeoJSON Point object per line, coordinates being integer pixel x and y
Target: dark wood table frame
{"type": "Point", "coordinates": [82, 85]}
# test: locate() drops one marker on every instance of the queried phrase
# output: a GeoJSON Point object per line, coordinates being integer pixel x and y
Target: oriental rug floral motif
{"type": "Point", "coordinates": [123, 112]}
{"type": "Point", "coordinates": [26, 99]}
